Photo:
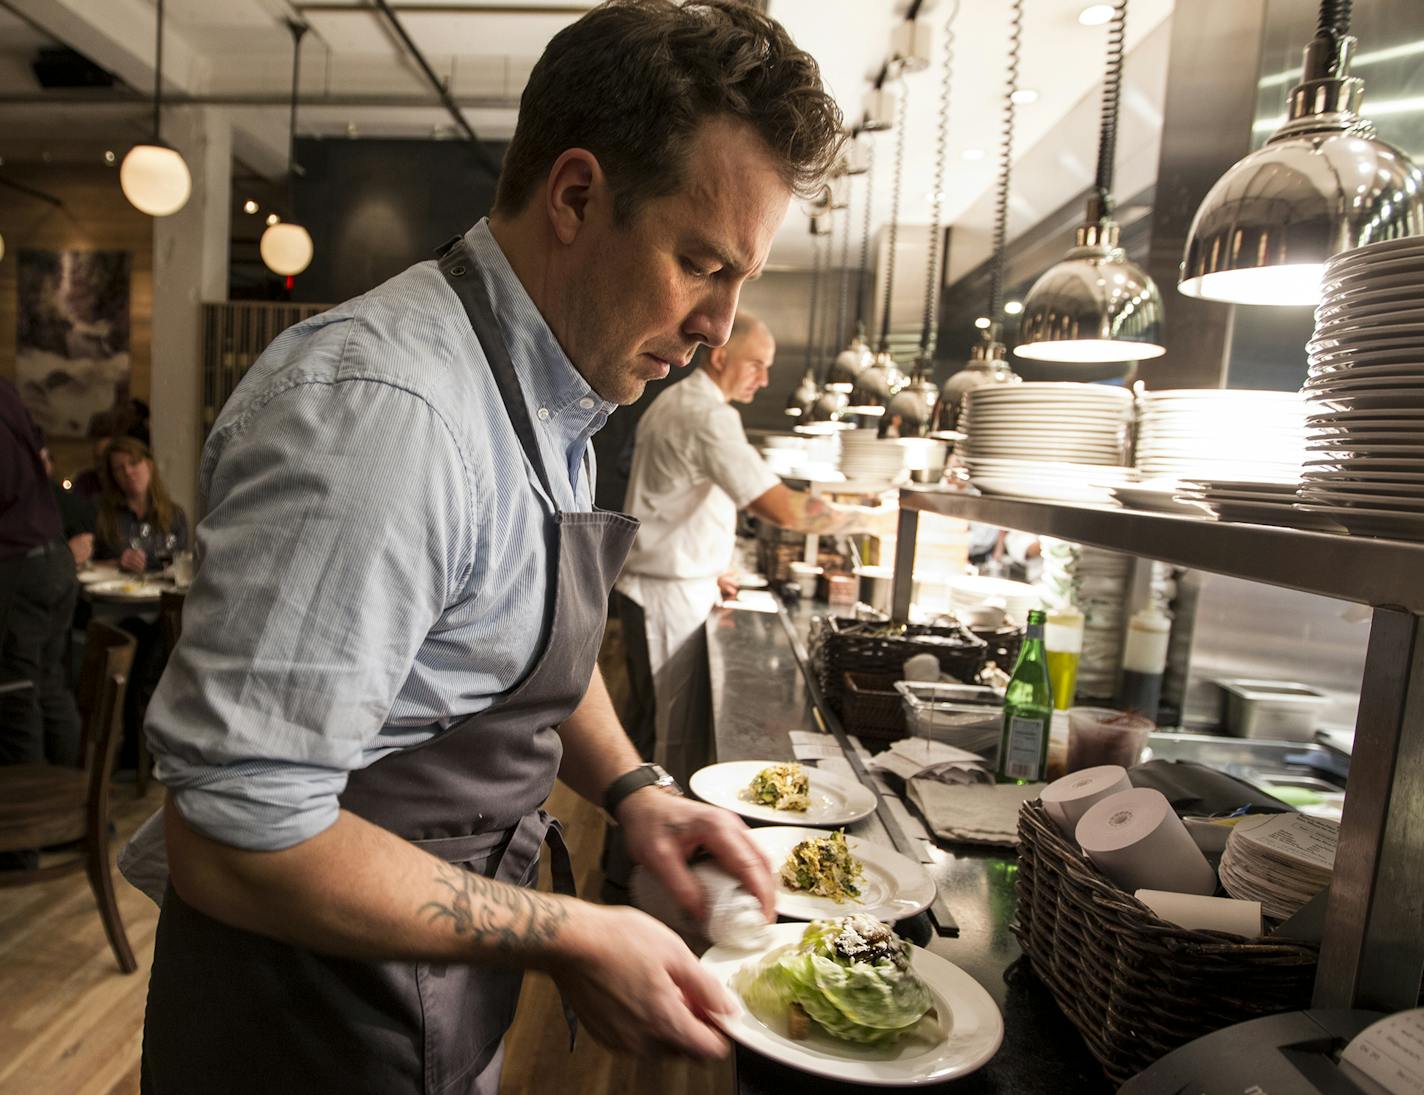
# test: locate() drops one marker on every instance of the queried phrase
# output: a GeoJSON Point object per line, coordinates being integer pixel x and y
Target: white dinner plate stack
{"type": "Point", "coordinates": [1252, 502]}
{"type": "Point", "coordinates": [1220, 433]}
{"type": "Point", "coordinates": [1365, 467]}
{"type": "Point", "coordinates": [865, 457]}
{"type": "Point", "coordinates": [1100, 581]}
{"type": "Point", "coordinates": [1053, 441]}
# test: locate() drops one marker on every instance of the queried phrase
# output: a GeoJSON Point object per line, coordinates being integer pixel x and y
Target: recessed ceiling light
{"type": "Point", "coordinates": [973, 153]}
{"type": "Point", "coordinates": [982, 323]}
{"type": "Point", "coordinates": [109, 157]}
{"type": "Point", "coordinates": [1025, 95]}
{"type": "Point", "coordinates": [249, 206]}
{"type": "Point", "coordinates": [1095, 15]}
{"type": "Point", "coordinates": [1013, 307]}
{"type": "Point", "coordinates": [272, 219]}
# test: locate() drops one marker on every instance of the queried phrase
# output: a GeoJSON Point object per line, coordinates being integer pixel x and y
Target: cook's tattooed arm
{"type": "Point", "coordinates": [509, 918]}
{"type": "Point", "coordinates": [816, 515]}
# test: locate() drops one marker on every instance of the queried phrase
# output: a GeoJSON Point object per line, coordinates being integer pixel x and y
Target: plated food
{"type": "Point", "coordinates": [847, 999]}
{"type": "Point", "coordinates": [782, 787]}
{"type": "Point", "coordinates": [830, 799]}
{"type": "Point", "coordinates": [822, 866]}
{"type": "Point", "coordinates": [888, 886]}
{"type": "Point", "coordinates": [850, 977]}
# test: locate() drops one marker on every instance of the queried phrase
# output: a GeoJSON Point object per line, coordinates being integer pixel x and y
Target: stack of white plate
{"type": "Point", "coordinates": [1054, 441]}
{"type": "Point", "coordinates": [1250, 501]}
{"type": "Point", "coordinates": [866, 457]}
{"type": "Point", "coordinates": [1100, 584]}
{"type": "Point", "coordinates": [1220, 433]}
{"type": "Point", "coordinates": [1365, 468]}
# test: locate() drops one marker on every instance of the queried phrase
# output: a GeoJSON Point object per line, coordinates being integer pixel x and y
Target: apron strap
{"type": "Point", "coordinates": [465, 277]}
{"type": "Point", "coordinates": [534, 829]}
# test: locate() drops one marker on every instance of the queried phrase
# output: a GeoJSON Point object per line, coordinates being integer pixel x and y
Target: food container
{"type": "Point", "coordinates": [876, 586]}
{"type": "Point", "coordinates": [966, 716]}
{"type": "Point", "coordinates": [1273, 710]}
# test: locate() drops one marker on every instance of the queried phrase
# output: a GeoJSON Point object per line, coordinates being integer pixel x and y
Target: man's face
{"type": "Point", "coordinates": [643, 295]}
{"type": "Point", "coordinates": [745, 363]}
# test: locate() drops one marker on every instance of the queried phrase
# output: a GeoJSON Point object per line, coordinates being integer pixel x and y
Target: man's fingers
{"type": "Point", "coordinates": [734, 851]}
{"type": "Point", "coordinates": [679, 881]}
{"type": "Point", "coordinates": [705, 994]}
{"type": "Point", "coordinates": [701, 995]}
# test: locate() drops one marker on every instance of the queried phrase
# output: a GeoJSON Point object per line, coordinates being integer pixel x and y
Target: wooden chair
{"type": "Point", "coordinates": [43, 805]}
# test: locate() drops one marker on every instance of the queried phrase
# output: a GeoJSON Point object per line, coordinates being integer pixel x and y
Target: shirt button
{"type": "Point", "coordinates": [543, 414]}
{"type": "Point", "coordinates": [586, 403]}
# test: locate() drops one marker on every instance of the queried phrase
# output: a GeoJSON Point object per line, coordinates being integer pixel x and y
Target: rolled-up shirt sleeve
{"type": "Point", "coordinates": [339, 527]}
{"type": "Point", "coordinates": [728, 459]}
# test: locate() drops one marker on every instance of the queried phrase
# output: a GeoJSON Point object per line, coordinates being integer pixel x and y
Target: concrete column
{"type": "Point", "coordinates": [190, 266]}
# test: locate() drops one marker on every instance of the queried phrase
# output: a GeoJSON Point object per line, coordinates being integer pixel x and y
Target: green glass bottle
{"type": "Point", "coordinates": [1028, 710]}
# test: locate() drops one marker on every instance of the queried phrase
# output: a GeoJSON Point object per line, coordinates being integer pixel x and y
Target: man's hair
{"type": "Point", "coordinates": [743, 324]}
{"type": "Point", "coordinates": [632, 80]}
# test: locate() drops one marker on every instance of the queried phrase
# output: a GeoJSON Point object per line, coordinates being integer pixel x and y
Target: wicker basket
{"type": "Point", "coordinates": [1004, 644]}
{"type": "Point", "coordinates": [1135, 986]}
{"type": "Point", "coordinates": [840, 646]}
{"type": "Point", "coordinates": [871, 707]}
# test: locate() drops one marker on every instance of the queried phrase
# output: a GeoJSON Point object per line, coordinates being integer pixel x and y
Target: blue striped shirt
{"type": "Point", "coordinates": [375, 551]}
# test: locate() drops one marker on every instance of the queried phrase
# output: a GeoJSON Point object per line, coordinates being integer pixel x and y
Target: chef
{"type": "Point", "coordinates": [388, 649]}
{"type": "Point", "coordinates": [693, 469]}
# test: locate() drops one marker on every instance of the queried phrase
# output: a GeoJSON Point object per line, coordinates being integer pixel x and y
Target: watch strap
{"type": "Point", "coordinates": [645, 775]}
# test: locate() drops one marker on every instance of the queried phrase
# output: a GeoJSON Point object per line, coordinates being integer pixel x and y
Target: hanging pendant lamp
{"type": "Point", "coordinates": [286, 247]}
{"type": "Point", "coordinates": [1097, 304]}
{"type": "Point", "coordinates": [1323, 183]}
{"type": "Point", "coordinates": [803, 398]}
{"type": "Point", "coordinates": [882, 379]}
{"type": "Point", "coordinates": [154, 176]}
{"type": "Point", "coordinates": [910, 412]}
{"type": "Point", "coordinates": [987, 364]}
{"type": "Point", "coordinates": [853, 360]}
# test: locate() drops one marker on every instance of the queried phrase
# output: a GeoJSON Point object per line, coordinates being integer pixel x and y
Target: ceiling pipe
{"type": "Point", "coordinates": [482, 153]}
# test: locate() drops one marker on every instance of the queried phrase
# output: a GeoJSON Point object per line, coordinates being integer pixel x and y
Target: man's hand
{"type": "Point", "coordinates": [81, 546]}
{"type": "Point", "coordinates": [727, 586]}
{"type": "Point", "coordinates": [664, 830]}
{"type": "Point", "coordinates": [133, 561]}
{"type": "Point", "coordinates": [637, 988]}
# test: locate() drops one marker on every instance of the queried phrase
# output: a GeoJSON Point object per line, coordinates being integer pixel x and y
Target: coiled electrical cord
{"type": "Point", "coordinates": [1112, 97]}
{"type": "Point", "coordinates": [927, 329]}
{"type": "Point", "coordinates": [1006, 163]}
{"type": "Point", "coordinates": [902, 109]}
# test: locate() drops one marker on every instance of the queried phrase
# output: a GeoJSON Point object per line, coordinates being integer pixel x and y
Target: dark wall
{"type": "Point", "coordinates": [375, 207]}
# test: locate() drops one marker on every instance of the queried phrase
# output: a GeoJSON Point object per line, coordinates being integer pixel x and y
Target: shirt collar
{"type": "Point", "coordinates": [550, 382]}
{"type": "Point", "coordinates": [707, 387]}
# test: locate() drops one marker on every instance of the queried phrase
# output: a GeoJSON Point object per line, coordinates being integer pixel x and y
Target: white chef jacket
{"type": "Point", "coordinates": [692, 470]}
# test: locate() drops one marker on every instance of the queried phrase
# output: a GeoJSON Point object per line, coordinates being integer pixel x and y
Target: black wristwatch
{"type": "Point", "coordinates": [645, 775]}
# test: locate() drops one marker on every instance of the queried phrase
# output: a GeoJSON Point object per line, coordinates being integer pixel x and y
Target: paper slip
{"type": "Point", "coordinates": [809, 745]}
{"type": "Point", "coordinates": [933, 752]}
{"type": "Point", "coordinates": [753, 600]}
{"type": "Point", "coordinates": [1293, 839]}
{"type": "Point", "coordinates": [1387, 1058]}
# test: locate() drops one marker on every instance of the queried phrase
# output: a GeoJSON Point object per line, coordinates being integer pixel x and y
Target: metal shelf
{"type": "Point", "coordinates": [1372, 955]}
{"type": "Point", "coordinates": [1380, 573]}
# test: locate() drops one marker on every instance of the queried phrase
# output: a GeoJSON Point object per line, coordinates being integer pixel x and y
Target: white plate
{"type": "Point", "coordinates": [892, 886]}
{"type": "Point", "coordinates": [1404, 307]}
{"type": "Point", "coordinates": [1363, 480]}
{"type": "Point", "coordinates": [98, 572]}
{"type": "Point", "coordinates": [976, 1029]}
{"type": "Point", "coordinates": [1054, 389]}
{"type": "Point", "coordinates": [1043, 490]}
{"type": "Point", "coordinates": [1255, 486]}
{"type": "Point", "coordinates": [835, 800]}
{"type": "Point", "coordinates": [1379, 251]}
{"type": "Point", "coordinates": [1268, 513]}
{"type": "Point", "coordinates": [127, 589]}
{"type": "Point", "coordinates": [1388, 369]}
{"type": "Point", "coordinates": [1153, 500]}
{"type": "Point", "coordinates": [1404, 502]}
{"type": "Point", "coordinates": [1377, 399]}
{"type": "Point", "coordinates": [1373, 522]}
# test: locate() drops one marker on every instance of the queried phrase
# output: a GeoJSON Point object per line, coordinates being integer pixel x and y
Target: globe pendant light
{"type": "Point", "coordinates": [987, 364]}
{"type": "Point", "coordinates": [910, 412]}
{"type": "Point", "coordinates": [154, 176]}
{"type": "Point", "coordinates": [1097, 304]}
{"type": "Point", "coordinates": [882, 379]}
{"type": "Point", "coordinates": [856, 357]}
{"type": "Point", "coordinates": [286, 247]}
{"type": "Point", "coordinates": [1323, 183]}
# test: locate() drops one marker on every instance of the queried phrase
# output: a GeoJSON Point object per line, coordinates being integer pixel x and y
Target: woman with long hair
{"type": "Point", "coordinates": [138, 523]}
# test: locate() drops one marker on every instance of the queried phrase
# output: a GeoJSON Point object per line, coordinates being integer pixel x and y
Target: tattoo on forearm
{"type": "Point", "coordinates": [507, 917]}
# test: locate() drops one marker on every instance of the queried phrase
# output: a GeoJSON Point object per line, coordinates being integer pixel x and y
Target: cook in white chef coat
{"type": "Point", "coordinates": [693, 469]}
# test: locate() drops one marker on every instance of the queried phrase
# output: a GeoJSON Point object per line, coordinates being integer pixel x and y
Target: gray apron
{"type": "Point", "coordinates": [230, 1011]}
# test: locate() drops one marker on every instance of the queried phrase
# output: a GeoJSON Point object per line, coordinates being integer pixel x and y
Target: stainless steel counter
{"type": "Point", "coordinates": [759, 695]}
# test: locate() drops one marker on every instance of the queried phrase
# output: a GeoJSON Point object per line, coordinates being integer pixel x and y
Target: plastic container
{"type": "Point", "coordinates": [1144, 660]}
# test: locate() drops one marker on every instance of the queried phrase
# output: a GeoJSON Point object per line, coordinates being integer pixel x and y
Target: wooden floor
{"type": "Point", "coordinates": [72, 1024]}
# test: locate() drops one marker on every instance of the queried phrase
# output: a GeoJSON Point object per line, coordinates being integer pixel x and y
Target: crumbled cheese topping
{"type": "Point", "coordinates": [863, 938]}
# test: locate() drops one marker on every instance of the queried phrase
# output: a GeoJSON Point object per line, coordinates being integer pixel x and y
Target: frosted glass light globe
{"type": "Point", "coordinates": [286, 248]}
{"type": "Point", "coordinates": [155, 179]}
